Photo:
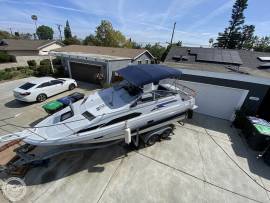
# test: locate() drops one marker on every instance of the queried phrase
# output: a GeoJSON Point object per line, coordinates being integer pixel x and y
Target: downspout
{"type": "Point", "coordinates": [51, 63]}
{"type": "Point", "coordinates": [68, 66]}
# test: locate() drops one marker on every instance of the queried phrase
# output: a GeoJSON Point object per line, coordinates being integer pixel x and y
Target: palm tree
{"type": "Point", "coordinates": [211, 41]}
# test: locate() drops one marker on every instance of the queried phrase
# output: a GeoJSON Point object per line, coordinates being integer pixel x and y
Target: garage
{"type": "Point", "coordinates": [217, 101]}
{"type": "Point", "coordinates": [85, 72]}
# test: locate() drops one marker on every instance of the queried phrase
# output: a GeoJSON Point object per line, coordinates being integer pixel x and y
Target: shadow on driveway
{"type": "Point", "coordinates": [220, 128]}
{"type": "Point", "coordinates": [17, 104]}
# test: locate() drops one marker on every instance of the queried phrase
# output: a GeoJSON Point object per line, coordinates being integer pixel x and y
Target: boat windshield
{"type": "Point", "coordinates": [119, 95]}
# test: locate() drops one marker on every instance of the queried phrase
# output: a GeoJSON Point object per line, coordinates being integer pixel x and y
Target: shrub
{"type": "Point", "coordinates": [10, 69]}
{"type": "Point", "coordinates": [20, 68]}
{"type": "Point", "coordinates": [45, 62]}
{"type": "Point", "coordinates": [34, 68]}
{"type": "Point", "coordinates": [43, 70]}
{"type": "Point", "coordinates": [5, 75]}
{"type": "Point", "coordinates": [57, 61]}
{"type": "Point", "coordinates": [59, 71]}
{"type": "Point", "coordinates": [32, 63]}
{"type": "Point", "coordinates": [6, 58]}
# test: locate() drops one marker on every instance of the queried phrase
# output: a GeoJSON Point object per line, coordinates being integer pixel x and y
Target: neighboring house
{"type": "Point", "coordinates": [25, 50]}
{"type": "Point", "coordinates": [225, 80]}
{"type": "Point", "coordinates": [91, 63]}
{"type": "Point", "coordinates": [18, 47]}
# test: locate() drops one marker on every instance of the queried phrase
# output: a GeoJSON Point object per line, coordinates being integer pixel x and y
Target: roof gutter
{"type": "Point", "coordinates": [142, 54]}
{"type": "Point", "coordinates": [83, 56]}
{"type": "Point", "coordinates": [50, 43]}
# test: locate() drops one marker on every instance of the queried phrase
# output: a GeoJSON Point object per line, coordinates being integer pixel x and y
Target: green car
{"type": "Point", "coordinates": [53, 106]}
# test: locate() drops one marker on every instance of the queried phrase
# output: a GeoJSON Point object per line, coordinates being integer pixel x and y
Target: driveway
{"type": "Point", "coordinates": [198, 164]}
{"type": "Point", "coordinates": [27, 113]}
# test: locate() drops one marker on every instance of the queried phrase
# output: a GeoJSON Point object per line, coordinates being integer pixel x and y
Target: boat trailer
{"type": "Point", "coordinates": [26, 158]}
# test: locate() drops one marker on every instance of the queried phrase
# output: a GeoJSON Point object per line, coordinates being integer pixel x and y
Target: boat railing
{"type": "Point", "coordinates": [181, 89]}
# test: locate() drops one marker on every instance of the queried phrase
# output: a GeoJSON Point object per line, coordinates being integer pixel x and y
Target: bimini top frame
{"type": "Point", "coordinates": [143, 74]}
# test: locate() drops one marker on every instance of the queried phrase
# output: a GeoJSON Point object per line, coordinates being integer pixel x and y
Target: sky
{"type": "Point", "coordinates": [142, 20]}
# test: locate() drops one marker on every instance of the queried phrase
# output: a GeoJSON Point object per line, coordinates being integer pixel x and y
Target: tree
{"type": "Point", "coordinates": [247, 37]}
{"type": "Point", "coordinates": [211, 42]}
{"type": "Point", "coordinates": [72, 40]}
{"type": "Point", "coordinates": [231, 36]}
{"type": "Point", "coordinates": [90, 40]}
{"type": "Point", "coordinates": [107, 36]}
{"type": "Point", "coordinates": [67, 31]}
{"type": "Point", "coordinates": [132, 44]}
{"type": "Point", "coordinates": [262, 44]}
{"type": "Point", "coordinates": [5, 35]}
{"type": "Point", "coordinates": [157, 50]}
{"type": "Point", "coordinates": [44, 32]}
{"type": "Point", "coordinates": [178, 44]}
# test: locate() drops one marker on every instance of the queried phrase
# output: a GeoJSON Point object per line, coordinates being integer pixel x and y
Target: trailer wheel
{"type": "Point", "coordinates": [151, 140]}
{"type": "Point", "coordinates": [166, 133]}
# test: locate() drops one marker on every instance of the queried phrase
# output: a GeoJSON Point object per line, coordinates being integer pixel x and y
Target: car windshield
{"type": "Point", "coordinates": [27, 86]}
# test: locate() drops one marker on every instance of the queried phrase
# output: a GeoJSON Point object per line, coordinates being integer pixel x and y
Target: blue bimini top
{"type": "Point", "coordinates": [139, 75]}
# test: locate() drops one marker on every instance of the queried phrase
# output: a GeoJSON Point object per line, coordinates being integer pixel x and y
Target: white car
{"type": "Point", "coordinates": [41, 88]}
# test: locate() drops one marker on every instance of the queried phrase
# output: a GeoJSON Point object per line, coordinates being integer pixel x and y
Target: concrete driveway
{"type": "Point", "coordinates": [27, 113]}
{"type": "Point", "coordinates": [192, 166]}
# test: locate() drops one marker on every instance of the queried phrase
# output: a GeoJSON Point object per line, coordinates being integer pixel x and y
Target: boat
{"type": "Point", "coordinates": [148, 95]}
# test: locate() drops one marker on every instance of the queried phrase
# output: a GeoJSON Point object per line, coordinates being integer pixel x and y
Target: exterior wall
{"type": "Point", "coordinates": [23, 53]}
{"type": "Point", "coordinates": [255, 90]}
{"type": "Point", "coordinates": [143, 58]}
{"type": "Point", "coordinates": [22, 61]}
{"type": "Point", "coordinates": [109, 66]}
{"type": "Point", "coordinates": [45, 50]}
{"type": "Point", "coordinates": [116, 65]}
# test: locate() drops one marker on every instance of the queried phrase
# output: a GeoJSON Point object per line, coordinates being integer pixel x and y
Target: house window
{"type": "Point", "coordinates": [139, 62]}
{"type": "Point", "coordinates": [146, 61]}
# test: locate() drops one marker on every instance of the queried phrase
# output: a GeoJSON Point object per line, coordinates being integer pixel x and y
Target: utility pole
{"type": "Point", "coordinates": [59, 29]}
{"type": "Point", "coordinates": [11, 31]}
{"type": "Point", "coordinates": [173, 33]}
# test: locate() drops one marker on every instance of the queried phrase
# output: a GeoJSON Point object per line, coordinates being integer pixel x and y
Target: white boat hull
{"type": "Point", "coordinates": [116, 131]}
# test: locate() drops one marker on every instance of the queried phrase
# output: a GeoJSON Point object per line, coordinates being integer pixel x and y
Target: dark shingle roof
{"type": "Point", "coordinates": [109, 51]}
{"type": "Point", "coordinates": [250, 62]}
{"type": "Point", "coordinates": [24, 45]}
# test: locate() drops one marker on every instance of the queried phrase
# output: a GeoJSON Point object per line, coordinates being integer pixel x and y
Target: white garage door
{"type": "Point", "coordinates": [217, 101]}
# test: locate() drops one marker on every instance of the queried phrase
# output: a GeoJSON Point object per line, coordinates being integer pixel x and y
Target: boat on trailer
{"type": "Point", "coordinates": [149, 97]}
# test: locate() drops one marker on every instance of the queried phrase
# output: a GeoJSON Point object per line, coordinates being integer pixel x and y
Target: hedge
{"type": "Point", "coordinates": [32, 63]}
{"type": "Point", "coordinates": [45, 62]}
{"type": "Point", "coordinates": [6, 58]}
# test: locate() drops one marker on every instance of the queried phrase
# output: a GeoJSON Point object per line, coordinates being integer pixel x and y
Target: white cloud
{"type": "Point", "coordinates": [218, 11]}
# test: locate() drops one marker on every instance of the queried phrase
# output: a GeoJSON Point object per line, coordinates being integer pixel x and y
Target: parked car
{"type": "Point", "coordinates": [41, 88]}
{"type": "Point", "coordinates": [57, 105]}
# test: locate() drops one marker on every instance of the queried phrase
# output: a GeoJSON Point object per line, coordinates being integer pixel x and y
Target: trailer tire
{"type": "Point", "coordinates": [166, 133]}
{"type": "Point", "coordinates": [151, 140]}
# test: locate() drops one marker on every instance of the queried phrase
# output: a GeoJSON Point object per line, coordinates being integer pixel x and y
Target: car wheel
{"type": "Point", "coordinates": [41, 97]}
{"type": "Point", "coordinates": [71, 86]}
